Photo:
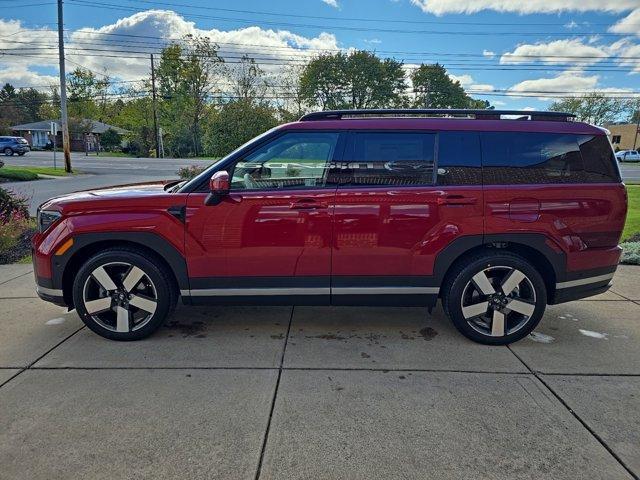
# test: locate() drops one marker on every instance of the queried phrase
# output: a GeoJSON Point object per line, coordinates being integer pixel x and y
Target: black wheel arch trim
{"type": "Point", "coordinates": [147, 240]}
{"type": "Point", "coordinates": [462, 245]}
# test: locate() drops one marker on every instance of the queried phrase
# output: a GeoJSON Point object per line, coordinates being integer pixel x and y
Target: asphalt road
{"type": "Point", "coordinates": [103, 171]}
{"type": "Point", "coordinates": [93, 172]}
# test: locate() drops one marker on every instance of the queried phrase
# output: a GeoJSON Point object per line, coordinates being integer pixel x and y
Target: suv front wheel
{"type": "Point", "coordinates": [495, 298]}
{"type": "Point", "coordinates": [122, 295]}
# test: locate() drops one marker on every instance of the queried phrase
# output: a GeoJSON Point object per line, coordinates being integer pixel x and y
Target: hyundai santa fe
{"type": "Point", "coordinates": [494, 216]}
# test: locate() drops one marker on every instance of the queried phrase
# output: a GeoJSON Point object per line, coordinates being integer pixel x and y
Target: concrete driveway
{"type": "Point", "coordinates": [319, 393]}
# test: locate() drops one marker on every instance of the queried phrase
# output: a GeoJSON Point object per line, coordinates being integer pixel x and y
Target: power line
{"type": "Point", "coordinates": [335, 18]}
{"type": "Point", "coordinates": [108, 6]}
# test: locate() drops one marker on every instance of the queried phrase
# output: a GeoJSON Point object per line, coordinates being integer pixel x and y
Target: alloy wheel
{"type": "Point", "coordinates": [498, 301]}
{"type": "Point", "coordinates": [120, 297]}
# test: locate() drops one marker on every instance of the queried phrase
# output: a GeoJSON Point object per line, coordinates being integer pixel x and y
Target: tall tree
{"type": "Point", "coordinates": [248, 80]}
{"type": "Point", "coordinates": [359, 79]}
{"type": "Point", "coordinates": [87, 94]}
{"type": "Point", "coordinates": [186, 77]}
{"type": "Point", "coordinates": [235, 123]}
{"type": "Point", "coordinates": [595, 107]}
{"type": "Point", "coordinates": [434, 88]}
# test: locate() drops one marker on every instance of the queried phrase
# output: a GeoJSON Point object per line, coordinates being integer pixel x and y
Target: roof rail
{"type": "Point", "coordinates": [486, 114]}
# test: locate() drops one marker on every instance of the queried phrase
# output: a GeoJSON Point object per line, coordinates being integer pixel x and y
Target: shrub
{"type": "Point", "coordinates": [187, 173]}
{"type": "Point", "coordinates": [630, 253]}
{"type": "Point", "coordinates": [12, 206]}
{"type": "Point", "coordinates": [111, 140]}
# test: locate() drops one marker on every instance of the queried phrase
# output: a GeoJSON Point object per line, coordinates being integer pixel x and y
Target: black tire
{"type": "Point", "coordinates": [459, 287]}
{"type": "Point", "coordinates": [8, 152]}
{"type": "Point", "coordinates": [156, 279]}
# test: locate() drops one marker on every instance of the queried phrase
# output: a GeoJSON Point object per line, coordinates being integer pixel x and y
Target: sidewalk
{"type": "Point", "coordinates": [319, 393]}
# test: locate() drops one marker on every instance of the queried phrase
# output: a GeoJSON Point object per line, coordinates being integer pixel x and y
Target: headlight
{"type": "Point", "coordinates": [46, 219]}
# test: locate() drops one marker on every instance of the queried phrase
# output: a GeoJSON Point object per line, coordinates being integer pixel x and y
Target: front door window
{"type": "Point", "coordinates": [292, 161]}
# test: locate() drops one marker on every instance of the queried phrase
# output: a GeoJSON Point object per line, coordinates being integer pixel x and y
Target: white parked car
{"type": "Point", "coordinates": [628, 156]}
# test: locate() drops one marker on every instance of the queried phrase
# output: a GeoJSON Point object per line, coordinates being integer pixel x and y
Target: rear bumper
{"type": "Point", "coordinates": [568, 294]}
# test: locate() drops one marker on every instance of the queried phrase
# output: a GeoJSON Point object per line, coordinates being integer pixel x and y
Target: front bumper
{"type": "Point", "coordinates": [51, 295]}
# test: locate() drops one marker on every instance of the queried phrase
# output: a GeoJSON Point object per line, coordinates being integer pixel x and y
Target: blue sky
{"type": "Point", "coordinates": [497, 48]}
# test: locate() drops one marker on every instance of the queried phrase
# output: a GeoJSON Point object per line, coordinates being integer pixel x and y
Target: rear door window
{"type": "Point", "coordinates": [390, 158]}
{"type": "Point", "coordinates": [459, 161]}
{"type": "Point", "coordinates": [542, 158]}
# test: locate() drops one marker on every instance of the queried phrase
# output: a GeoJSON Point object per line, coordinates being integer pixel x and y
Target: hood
{"type": "Point", "coordinates": [105, 197]}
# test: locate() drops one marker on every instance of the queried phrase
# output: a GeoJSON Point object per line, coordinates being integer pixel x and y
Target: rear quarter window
{"type": "Point", "coordinates": [599, 160]}
{"type": "Point", "coordinates": [546, 158]}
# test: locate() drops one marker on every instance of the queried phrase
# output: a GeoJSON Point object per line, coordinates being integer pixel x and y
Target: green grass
{"type": "Point", "coordinates": [26, 260]}
{"type": "Point", "coordinates": [632, 226]}
{"type": "Point", "coordinates": [23, 174]}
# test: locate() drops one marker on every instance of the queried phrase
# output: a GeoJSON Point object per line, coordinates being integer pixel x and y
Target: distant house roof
{"type": "Point", "coordinates": [45, 126]}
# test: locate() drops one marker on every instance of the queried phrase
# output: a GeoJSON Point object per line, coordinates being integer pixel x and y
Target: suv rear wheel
{"type": "Point", "coordinates": [8, 151]}
{"type": "Point", "coordinates": [495, 298]}
{"type": "Point", "coordinates": [122, 295]}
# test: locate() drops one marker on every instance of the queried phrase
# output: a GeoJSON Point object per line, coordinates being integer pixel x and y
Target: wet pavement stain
{"type": "Point", "coordinates": [280, 336]}
{"type": "Point", "coordinates": [186, 329]}
{"type": "Point", "coordinates": [365, 355]}
{"type": "Point", "coordinates": [428, 333]}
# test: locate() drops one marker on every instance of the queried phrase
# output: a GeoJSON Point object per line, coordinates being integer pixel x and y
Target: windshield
{"type": "Point", "coordinates": [209, 171]}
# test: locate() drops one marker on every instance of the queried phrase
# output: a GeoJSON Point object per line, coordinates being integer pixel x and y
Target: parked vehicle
{"type": "Point", "coordinates": [11, 145]}
{"type": "Point", "coordinates": [494, 217]}
{"type": "Point", "coordinates": [628, 156]}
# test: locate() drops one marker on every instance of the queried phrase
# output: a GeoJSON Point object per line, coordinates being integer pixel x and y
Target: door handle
{"type": "Point", "coordinates": [307, 204]}
{"type": "Point", "coordinates": [457, 200]}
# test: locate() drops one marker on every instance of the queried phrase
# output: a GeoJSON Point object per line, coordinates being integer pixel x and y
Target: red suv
{"type": "Point", "coordinates": [496, 217]}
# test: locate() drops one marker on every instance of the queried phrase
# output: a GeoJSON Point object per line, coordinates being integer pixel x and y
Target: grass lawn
{"type": "Point", "coordinates": [23, 174]}
{"type": "Point", "coordinates": [633, 215]}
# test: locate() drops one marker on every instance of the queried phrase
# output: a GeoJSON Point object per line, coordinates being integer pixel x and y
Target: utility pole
{"type": "Point", "coordinates": [635, 140]}
{"type": "Point", "coordinates": [64, 121]}
{"type": "Point", "coordinates": [155, 108]}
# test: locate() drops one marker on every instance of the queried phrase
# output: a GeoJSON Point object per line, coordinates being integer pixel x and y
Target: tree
{"type": "Point", "coordinates": [236, 123]}
{"type": "Point", "coordinates": [186, 75]}
{"type": "Point", "coordinates": [434, 88]}
{"type": "Point", "coordinates": [248, 80]}
{"type": "Point", "coordinates": [110, 139]}
{"type": "Point", "coordinates": [22, 105]}
{"type": "Point", "coordinates": [595, 107]}
{"type": "Point", "coordinates": [87, 94]}
{"type": "Point", "coordinates": [356, 80]}
{"type": "Point", "coordinates": [293, 103]}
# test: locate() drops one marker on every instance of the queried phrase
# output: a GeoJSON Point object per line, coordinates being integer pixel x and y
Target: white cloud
{"type": "Point", "coordinates": [552, 52]}
{"type": "Point", "coordinates": [332, 3]}
{"type": "Point", "coordinates": [20, 76]}
{"type": "Point", "coordinates": [266, 45]}
{"type": "Point", "coordinates": [440, 7]}
{"type": "Point", "coordinates": [629, 24]}
{"type": "Point", "coordinates": [488, 53]}
{"type": "Point", "coordinates": [470, 84]}
{"type": "Point", "coordinates": [571, 25]}
{"type": "Point", "coordinates": [568, 83]}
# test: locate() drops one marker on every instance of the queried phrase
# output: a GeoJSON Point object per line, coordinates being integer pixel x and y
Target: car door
{"type": "Point", "coordinates": [269, 240]}
{"type": "Point", "coordinates": [398, 213]}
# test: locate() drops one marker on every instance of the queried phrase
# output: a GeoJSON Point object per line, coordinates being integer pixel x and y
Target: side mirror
{"type": "Point", "coordinates": [219, 187]}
